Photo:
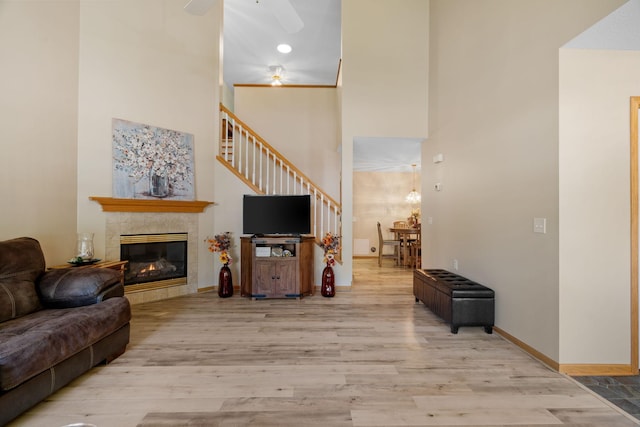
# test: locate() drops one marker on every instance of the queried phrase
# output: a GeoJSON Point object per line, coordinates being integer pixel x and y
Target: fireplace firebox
{"type": "Point", "coordinates": [154, 258]}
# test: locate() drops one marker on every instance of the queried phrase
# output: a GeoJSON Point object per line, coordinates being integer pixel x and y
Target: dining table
{"type": "Point", "coordinates": [405, 235]}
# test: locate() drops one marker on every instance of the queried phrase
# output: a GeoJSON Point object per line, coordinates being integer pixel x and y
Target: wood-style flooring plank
{"type": "Point", "coordinates": [328, 417]}
{"type": "Point", "coordinates": [370, 356]}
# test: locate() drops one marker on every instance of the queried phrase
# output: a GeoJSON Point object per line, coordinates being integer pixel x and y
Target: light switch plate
{"type": "Point", "coordinates": [540, 225]}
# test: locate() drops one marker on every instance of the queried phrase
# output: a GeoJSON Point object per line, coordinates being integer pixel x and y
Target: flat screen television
{"type": "Point", "coordinates": [276, 214]}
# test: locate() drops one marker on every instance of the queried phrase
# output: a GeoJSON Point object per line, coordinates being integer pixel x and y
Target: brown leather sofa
{"type": "Point", "coordinates": [54, 324]}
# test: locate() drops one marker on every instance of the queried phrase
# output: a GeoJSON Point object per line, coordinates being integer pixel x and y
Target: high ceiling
{"type": "Point", "coordinates": [253, 29]}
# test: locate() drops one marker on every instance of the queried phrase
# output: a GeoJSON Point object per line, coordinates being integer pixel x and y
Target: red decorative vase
{"type": "Point", "coordinates": [328, 288]}
{"type": "Point", "coordinates": [225, 282]}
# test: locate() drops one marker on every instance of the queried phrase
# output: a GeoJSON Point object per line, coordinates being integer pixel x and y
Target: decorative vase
{"type": "Point", "coordinates": [225, 282]}
{"type": "Point", "coordinates": [158, 185]}
{"type": "Point", "coordinates": [85, 246]}
{"type": "Point", "coordinates": [328, 288]}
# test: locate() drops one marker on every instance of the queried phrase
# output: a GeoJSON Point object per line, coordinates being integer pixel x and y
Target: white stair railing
{"type": "Point", "coordinates": [266, 171]}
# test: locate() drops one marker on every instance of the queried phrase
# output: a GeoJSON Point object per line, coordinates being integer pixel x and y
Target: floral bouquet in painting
{"type": "Point", "coordinates": [221, 243]}
{"type": "Point", "coordinates": [331, 245]}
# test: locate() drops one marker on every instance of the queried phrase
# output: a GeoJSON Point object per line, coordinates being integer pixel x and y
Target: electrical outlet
{"type": "Point", "coordinates": [455, 264]}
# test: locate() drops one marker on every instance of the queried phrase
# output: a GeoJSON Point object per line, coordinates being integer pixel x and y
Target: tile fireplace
{"type": "Point", "coordinates": [155, 258]}
{"type": "Point", "coordinates": [156, 223]}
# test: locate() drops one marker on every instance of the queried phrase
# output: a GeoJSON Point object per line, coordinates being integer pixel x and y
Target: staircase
{"type": "Point", "coordinates": [266, 171]}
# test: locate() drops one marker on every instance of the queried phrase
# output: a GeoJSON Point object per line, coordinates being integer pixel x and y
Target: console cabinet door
{"type": "Point", "coordinates": [286, 278]}
{"type": "Point", "coordinates": [264, 278]}
{"type": "Point", "coordinates": [275, 278]}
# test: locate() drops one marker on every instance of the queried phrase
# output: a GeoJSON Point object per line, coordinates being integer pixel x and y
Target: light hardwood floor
{"type": "Point", "coordinates": [367, 357]}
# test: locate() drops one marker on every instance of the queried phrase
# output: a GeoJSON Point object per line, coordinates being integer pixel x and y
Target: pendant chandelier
{"type": "Point", "coordinates": [413, 197]}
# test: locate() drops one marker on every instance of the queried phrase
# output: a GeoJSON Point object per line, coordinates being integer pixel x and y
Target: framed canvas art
{"type": "Point", "coordinates": [151, 162]}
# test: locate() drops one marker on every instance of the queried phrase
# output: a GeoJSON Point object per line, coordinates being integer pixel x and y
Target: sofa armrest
{"type": "Point", "coordinates": [115, 290]}
{"type": "Point", "coordinates": [77, 286]}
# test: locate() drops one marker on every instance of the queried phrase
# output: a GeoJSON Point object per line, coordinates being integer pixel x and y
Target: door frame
{"type": "Point", "coordinates": [634, 107]}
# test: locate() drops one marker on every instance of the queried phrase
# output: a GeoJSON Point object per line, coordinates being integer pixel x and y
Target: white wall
{"type": "Point", "coordinates": [301, 123]}
{"type": "Point", "coordinates": [494, 116]}
{"type": "Point", "coordinates": [384, 82]}
{"type": "Point", "coordinates": [38, 106]}
{"type": "Point", "coordinates": [385, 65]}
{"type": "Point", "coordinates": [595, 87]}
{"type": "Point", "coordinates": [149, 62]}
{"type": "Point", "coordinates": [228, 216]}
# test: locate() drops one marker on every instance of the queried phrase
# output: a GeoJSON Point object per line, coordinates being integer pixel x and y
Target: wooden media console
{"type": "Point", "coordinates": [276, 267]}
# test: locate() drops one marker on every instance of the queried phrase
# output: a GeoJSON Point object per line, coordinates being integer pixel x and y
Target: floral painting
{"type": "Point", "coordinates": [151, 162]}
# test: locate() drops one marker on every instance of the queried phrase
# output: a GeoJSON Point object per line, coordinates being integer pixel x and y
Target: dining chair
{"type": "Point", "coordinates": [415, 249]}
{"type": "Point", "coordinates": [382, 243]}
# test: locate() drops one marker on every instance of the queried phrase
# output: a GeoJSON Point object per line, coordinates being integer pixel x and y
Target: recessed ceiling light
{"type": "Point", "coordinates": [284, 48]}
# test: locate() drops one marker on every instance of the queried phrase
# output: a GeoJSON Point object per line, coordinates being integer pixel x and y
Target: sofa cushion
{"type": "Point", "coordinates": [21, 263]}
{"type": "Point", "coordinates": [32, 344]}
{"type": "Point", "coordinates": [75, 286]}
{"type": "Point", "coordinates": [17, 298]}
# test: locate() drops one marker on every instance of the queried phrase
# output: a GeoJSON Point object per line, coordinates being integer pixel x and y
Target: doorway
{"type": "Point", "coordinates": [383, 176]}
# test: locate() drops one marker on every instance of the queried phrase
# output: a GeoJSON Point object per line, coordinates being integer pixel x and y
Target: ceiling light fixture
{"type": "Point", "coordinates": [413, 197]}
{"type": "Point", "coordinates": [284, 48]}
{"type": "Point", "coordinates": [276, 75]}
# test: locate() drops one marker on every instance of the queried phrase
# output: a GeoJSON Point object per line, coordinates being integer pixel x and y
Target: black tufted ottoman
{"type": "Point", "coordinates": [457, 300]}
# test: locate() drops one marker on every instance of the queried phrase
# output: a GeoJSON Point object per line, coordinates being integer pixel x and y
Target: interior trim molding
{"type": "Point", "coordinates": [633, 173]}
{"type": "Point", "coordinates": [528, 349]}
{"type": "Point", "coordinates": [110, 204]}
{"type": "Point", "coordinates": [631, 368]}
{"type": "Point", "coordinates": [576, 369]}
{"type": "Point", "coordinates": [588, 369]}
